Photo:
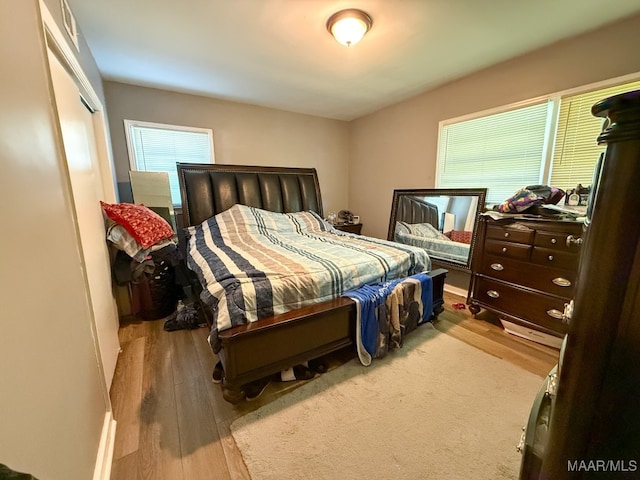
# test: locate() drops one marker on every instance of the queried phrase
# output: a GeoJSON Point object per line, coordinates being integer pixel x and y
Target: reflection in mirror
{"type": "Point", "coordinates": [442, 221]}
{"type": "Point", "coordinates": [153, 191]}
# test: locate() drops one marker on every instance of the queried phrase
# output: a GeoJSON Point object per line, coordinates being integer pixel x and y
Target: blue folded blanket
{"type": "Point", "coordinates": [387, 311]}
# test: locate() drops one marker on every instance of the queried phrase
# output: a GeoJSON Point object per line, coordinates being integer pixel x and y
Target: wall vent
{"type": "Point", "coordinates": [70, 23]}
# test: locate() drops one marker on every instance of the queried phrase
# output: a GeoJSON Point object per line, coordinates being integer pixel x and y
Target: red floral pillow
{"type": "Point", "coordinates": [145, 225]}
{"type": "Point", "coordinates": [461, 236]}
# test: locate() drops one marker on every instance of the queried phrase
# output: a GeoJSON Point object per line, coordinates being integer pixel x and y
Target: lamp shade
{"type": "Point", "coordinates": [349, 26]}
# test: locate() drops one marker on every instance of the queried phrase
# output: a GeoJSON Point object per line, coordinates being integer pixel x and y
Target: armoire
{"type": "Point", "coordinates": [591, 428]}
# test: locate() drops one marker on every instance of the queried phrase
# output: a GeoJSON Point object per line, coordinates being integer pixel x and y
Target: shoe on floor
{"type": "Point", "coordinates": [302, 372]}
{"type": "Point", "coordinates": [218, 373]}
{"type": "Point", "coordinates": [318, 365]}
{"type": "Point", "coordinates": [297, 372]}
{"type": "Point", "coordinates": [254, 389]}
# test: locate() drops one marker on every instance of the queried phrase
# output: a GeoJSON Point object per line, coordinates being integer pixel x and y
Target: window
{"type": "Point", "coordinates": [504, 151]}
{"type": "Point", "coordinates": [552, 142]}
{"type": "Point", "coordinates": [155, 147]}
{"type": "Point", "coordinates": [576, 150]}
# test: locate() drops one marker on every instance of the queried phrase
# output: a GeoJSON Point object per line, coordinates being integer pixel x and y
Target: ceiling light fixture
{"type": "Point", "coordinates": [349, 26]}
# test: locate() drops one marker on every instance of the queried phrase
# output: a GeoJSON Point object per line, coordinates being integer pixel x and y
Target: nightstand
{"type": "Point", "coordinates": [349, 227]}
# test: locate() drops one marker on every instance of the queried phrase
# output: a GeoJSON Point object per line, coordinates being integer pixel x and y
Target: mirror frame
{"type": "Point", "coordinates": [481, 193]}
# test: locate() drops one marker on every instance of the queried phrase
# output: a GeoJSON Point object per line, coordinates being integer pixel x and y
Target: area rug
{"type": "Point", "coordinates": [435, 409]}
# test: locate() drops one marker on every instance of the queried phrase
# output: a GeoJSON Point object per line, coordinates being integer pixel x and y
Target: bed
{"type": "Point", "coordinates": [280, 339]}
{"type": "Point", "coordinates": [418, 223]}
{"type": "Point", "coordinates": [441, 246]}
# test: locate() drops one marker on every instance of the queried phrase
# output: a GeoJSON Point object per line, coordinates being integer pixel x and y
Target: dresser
{"type": "Point", "coordinates": [524, 269]}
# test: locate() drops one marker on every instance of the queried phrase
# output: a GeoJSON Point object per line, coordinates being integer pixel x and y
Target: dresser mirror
{"type": "Point", "coordinates": [442, 221]}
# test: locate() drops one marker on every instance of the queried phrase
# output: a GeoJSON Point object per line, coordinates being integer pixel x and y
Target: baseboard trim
{"type": "Point", "coordinates": [104, 458]}
{"type": "Point", "coordinates": [455, 290]}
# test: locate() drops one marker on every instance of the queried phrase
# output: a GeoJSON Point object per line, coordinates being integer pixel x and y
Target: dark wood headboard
{"type": "Point", "coordinates": [208, 189]}
{"type": "Point", "coordinates": [415, 210]}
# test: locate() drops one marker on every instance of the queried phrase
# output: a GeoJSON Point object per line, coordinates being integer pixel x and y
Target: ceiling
{"type": "Point", "coordinates": [278, 53]}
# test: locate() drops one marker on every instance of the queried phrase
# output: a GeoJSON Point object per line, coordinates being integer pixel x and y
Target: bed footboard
{"type": "Point", "coordinates": [268, 346]}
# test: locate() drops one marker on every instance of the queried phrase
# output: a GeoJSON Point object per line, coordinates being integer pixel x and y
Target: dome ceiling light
{"type": "Point", "coordinates": [349, 26]}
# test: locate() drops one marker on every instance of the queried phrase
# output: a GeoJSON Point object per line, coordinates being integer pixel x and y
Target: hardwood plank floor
{"type": "Point", "coordinates": [174, 424]}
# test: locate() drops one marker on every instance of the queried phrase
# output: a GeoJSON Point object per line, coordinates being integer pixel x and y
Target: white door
{"type": "Point", "coordinates": [85, 178]}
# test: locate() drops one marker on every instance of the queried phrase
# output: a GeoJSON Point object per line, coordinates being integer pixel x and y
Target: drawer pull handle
{"type": "Point", "coordinates": [493, 294]}
{"type": "Point", "coordinates": [557, 314]}
{"type": "Point", "coordinates": [554, 241]}
{"type": "Point", "coordinates": [568, 312]}
{"type": "Point", "coordinates": [504, 249]}
{"type": "Point", "coordinates": [550, 258]}
{"type": "Point", "coordinates": [506, 234]}
{"type": "Point", "coordinates": [522, 442]}
{"type": "Point", "coordinates": [497, 267]}
{"type": "Point", "coordinates": [573, 241]}
{"type": "Point", "coordinates": [561, 282]}
{"type": "Point", "coordinates": [552, 385]}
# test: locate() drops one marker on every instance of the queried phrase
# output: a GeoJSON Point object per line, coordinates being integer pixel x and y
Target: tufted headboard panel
{"type": "Point", "coordinates": [208, 189]}
{"type": "Point", "coordinates": [414, 210]}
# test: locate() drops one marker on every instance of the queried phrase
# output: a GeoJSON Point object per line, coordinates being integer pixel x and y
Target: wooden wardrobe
{"type": "Point", "coordinates": [596, 411]}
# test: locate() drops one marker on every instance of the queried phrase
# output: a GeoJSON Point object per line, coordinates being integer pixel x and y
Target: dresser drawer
{"type": "Point", "coordinates": [548, 280]}
{"type": "Point", "coordinates": [543, 310]}
{"type": "Point", "coordinates": [508, 249]}
{"type": "Point", "coordinates": [554, 258]}
{"type": "Point", "coordinates": [554, 241]}
{"type": "Point", "coordinates": [518, 235]}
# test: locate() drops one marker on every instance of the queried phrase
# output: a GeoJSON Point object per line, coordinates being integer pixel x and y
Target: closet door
{"type": "Point", "coordinates": [86, 183]}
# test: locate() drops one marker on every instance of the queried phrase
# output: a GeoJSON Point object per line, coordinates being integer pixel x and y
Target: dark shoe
{"type": "Point", "coordinates": [318, 365]}
{"type": "Point", "coordinates": [218, 373]}
{"type": "Point", "coordinates": [254, 389]}
{"type": "Point", "coordinates": [303, 373]}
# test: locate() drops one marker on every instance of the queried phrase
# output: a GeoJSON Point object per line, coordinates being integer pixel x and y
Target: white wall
{"type": "Point", "coordinates": [53, 399]}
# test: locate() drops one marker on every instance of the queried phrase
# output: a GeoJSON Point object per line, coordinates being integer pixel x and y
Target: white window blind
{"type": "Point", "coordinates": [576, 149]}
{"type": "Point", "coordinates": [157, 148]}
{"type": "Point", "coordinates": [503, 152]}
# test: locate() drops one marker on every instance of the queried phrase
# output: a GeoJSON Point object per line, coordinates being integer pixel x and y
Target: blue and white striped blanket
{"type": "Point", "coordinates": [253, 263]}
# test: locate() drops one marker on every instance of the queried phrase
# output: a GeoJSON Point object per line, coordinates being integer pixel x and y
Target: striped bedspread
{"type": "Point", "coordinates": [425, 236]}
{"type": "Point", "coordinates": [253, 263]}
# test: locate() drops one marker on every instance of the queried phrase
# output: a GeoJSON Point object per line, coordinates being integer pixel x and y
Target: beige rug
{"type": "Point", "coordinates": [436, 409]}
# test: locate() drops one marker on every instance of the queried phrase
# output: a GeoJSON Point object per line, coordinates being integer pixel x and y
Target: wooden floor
{"type": "Point", "coordinates": [172, 422]}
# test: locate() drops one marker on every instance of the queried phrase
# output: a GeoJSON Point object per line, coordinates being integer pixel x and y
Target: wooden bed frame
{"type": "Point", "coordinates": [265, 347]}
